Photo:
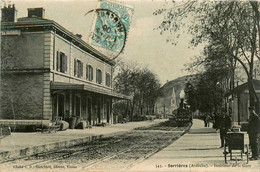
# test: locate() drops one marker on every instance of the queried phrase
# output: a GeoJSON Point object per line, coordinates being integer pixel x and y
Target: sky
{"type": "Point", "coordinates": [144, 45]}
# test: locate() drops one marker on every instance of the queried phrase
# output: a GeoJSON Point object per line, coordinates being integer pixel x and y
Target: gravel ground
{"type": "Point", "coordinates": [111, 153]}
{"type": "Point", "coordinates": [164, 126]}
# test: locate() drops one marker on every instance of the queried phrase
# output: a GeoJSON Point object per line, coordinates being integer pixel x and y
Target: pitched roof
{"type": "Point", "coordinates": [39, 24]}
{"type": "Point", "coordinates": [240, 88]}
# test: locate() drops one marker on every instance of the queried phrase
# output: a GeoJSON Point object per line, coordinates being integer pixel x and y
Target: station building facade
{"type": "Point", "coordinates": [238, 102]}
{"type": "Point", "coordinates": [47, 71]}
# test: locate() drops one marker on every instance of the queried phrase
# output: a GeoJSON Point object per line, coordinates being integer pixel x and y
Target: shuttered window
{"type": "Point", "coordinates": [81, 70]}
{"type": "Point", "coordinates": [99, 76]}
{"type": "Point", "coordinates": [89, 72]}
{"type": "Point", "coordinates": [61, 62]}
{"type": "Point", "coordinates": [75, 67]}
{"type": "Point", "coordinates": [58, 61]}
{"type": "Point", "coordinates": [78, 68]}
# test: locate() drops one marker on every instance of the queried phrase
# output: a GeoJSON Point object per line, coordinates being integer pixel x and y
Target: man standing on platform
{"type": "Point", "coordinates": [225, 125]}
{"type": "Point", "coordinates": [253, 130]}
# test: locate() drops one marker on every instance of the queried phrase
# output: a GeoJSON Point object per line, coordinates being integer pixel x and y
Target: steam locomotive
{"type": "Point", "coordinates": [183, 117]}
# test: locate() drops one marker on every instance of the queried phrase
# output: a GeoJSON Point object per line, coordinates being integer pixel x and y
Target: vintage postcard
{"type": "Point", "coordinates": [129, 85]}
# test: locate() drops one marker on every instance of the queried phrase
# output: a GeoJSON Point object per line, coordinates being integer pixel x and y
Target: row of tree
{"type": "Point", "coordinates": [230, 31]}
{"type": "Point", "coordinates": [140, 83]}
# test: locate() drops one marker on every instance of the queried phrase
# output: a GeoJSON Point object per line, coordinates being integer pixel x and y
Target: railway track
{"type": "Point", "coordinates": [132, 147]}
{"type": "Point", "coordinates": [43, 157]}
{"type": "Point", "coordinates": [139, 160]}
{"type": "Point", "coordinates": [109, 157]}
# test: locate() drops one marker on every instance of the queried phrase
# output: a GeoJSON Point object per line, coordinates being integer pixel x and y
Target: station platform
{"type": "Point", "coordinates": [197, 150]}
{"type": "Point", "coordinates": [24, 144]}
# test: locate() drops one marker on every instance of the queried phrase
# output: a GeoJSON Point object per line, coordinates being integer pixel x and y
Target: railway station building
{"type": "Point", "coordinates": [238, 102]}
{"type": "Point", "coordinates": [47, 71]}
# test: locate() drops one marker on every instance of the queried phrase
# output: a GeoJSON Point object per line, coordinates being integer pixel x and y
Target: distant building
{"type": "Point", "coordinates": [237, 98]}
{"type": "Point", "coordinates": [166, 104]}
{"type": "Point", "coordinates": [48, 72]}
{"type": "Point", "coordinates": [173, 100]}
{"type": "Point", "coordinates": [170, 100]}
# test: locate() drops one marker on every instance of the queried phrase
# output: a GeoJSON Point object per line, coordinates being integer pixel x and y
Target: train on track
{"type": "Point", "coordinates": [182, 115]}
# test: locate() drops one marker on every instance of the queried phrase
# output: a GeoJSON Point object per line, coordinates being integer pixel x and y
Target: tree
{"type": "Point", "coordinates": [125, 82]}
{"type": "Point", "coordinates": [141, 84]}
{"type": "Point", "coordinates": [149, 89]}
{"type": "Point", "coordinates": [229, 27]}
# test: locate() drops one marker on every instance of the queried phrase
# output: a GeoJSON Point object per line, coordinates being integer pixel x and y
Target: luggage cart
{"type": "Point", "coordinates": [235, 141]}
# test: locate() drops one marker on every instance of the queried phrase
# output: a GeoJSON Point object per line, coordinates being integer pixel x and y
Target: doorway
{"type": "Point", "coordinates": [61, 105]}
{"type": "Point", "coordinates": [58, 106]}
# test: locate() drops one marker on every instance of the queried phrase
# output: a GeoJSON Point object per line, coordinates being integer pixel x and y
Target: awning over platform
{"type": "Point", "coordinates": [90, 88]}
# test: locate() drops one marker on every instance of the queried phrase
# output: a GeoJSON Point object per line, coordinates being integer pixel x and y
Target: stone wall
{"type": "Point", "coordinates": [21, 96]}
{"type": "Point", "coordinates": [22, 52]}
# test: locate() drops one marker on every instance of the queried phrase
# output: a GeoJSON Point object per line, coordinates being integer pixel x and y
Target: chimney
{"type": "Point", "coordinates": [79, 35]}
{"type": "Point", "coordinates": [9, 14]}
{"type": "Point", "coordinates": [36, 12]}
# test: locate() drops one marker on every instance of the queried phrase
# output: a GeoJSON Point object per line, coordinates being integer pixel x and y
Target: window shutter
{"type": "Point", "coordinates": [75, 67]}
{"type": "Point", "coordinates": [97, 75]}
{"type": "Point", "coordinates": [82, 66]}
{"type": "Point", "coordinates": [66, 64]}
{"type": "Point", "coordinates": [109, 84]}
{"type": "Point", "coordinates": [87, 72]}
{"type": "Point", "coordinates": [106, 79]}
{"type": "Point", "coordinates": [110, 80]}
{"type": "Point", "coordinates": [101, 78]}
{"type": "Point", "coordinates": [81, 69]}
{"type": "Point", "coordinates": [91, 73]}
{"type": "Point", "coordinates": [63, 63]}
{"type": "Point", "coordinates": [58, 61]}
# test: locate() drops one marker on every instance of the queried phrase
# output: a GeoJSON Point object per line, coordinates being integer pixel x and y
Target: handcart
{"type": "Point", "coordinates": [235, 142]}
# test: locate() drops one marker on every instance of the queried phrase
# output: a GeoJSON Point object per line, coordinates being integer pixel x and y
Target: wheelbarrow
{"type": "Point", "coordinates": [235, 142]}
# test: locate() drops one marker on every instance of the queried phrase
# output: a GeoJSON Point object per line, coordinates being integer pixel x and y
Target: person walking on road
{"type": "Point", "coordinates": [253, 130]}
{"type": "Point", "coordinates": [208, 120]}
{"type": "Point", "coordinates": [217, 121]}
{"type": "Point", "coordinates": [225, 125]}
{"type": "Point", "coordinates": [205, 120]}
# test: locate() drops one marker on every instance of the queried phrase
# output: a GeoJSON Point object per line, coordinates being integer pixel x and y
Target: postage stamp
{"type": "Point", "coordinates": [174, 87]}
{"type": "Point", "coordinates": [111, 25]}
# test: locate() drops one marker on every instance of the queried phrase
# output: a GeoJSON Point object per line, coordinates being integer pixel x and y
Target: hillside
{"type": "Point", "coordinates": [170, 100]}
